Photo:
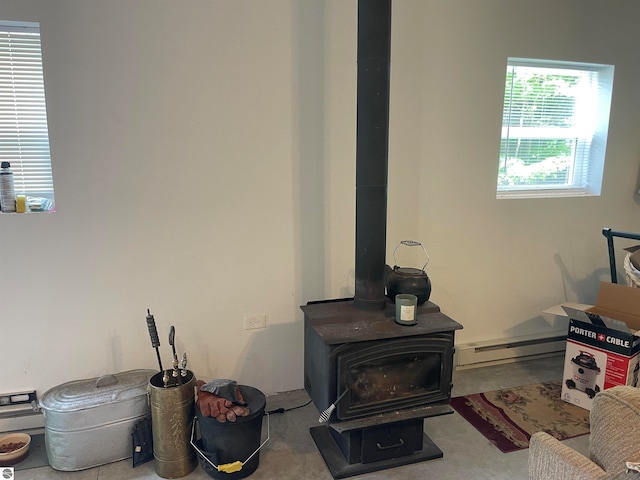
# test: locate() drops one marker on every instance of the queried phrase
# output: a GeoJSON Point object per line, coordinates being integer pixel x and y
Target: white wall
{"type": "Point", "coordinates": [498, 263]}
{"type": "Point", "coordinates": [204, 154]}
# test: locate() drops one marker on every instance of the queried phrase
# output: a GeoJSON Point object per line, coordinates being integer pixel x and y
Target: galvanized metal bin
{"type": "Point", "coordinates": [89, 422]}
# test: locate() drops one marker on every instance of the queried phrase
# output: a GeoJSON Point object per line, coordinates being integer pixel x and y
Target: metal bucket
{"type": "Point", "coordinates": [172, 412]}
{"type": "Point", "coordinates": [231, 450]}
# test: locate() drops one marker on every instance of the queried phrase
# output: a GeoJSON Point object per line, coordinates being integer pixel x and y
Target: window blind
{"type": "Point", "coordinates": [548, 117]}
{"type": "Point", "coordinates": [24, 136]}
{"type": "Point", "coordinates": [550, 125]}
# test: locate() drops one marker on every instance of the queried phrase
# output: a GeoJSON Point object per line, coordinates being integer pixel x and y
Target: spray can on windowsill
{"type": "Point", "coordinates": [7, 191]}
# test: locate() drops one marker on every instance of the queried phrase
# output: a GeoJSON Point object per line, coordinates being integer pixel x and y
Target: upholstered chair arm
{"type": "Point", "coordinates": [550, 459]}
{"type": "Point", "coordinates": [615, 426]}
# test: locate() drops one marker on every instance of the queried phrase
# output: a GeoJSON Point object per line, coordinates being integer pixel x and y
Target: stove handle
{"type": "Point", "coordinates": [397, 445]}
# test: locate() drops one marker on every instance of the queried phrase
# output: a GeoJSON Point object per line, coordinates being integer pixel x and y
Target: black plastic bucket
{"type": "Point", "coordinates": [231, 442]}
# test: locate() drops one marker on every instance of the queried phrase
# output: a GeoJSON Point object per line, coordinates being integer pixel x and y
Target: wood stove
{"type": "Point", "coordinates": [394, 376]}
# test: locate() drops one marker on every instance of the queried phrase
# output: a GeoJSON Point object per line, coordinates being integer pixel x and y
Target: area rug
{"type": "Point", "coordinates": [509, 417]}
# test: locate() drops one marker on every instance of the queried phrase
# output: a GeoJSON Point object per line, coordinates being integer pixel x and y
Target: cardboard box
{"type": "Point", "coordinates": [603, 344]}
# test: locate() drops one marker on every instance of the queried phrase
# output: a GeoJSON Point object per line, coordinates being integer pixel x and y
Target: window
{"type": "Point", "coordinates": [554, 128]}
{"type": "Point", "coordinates": [24, 137]}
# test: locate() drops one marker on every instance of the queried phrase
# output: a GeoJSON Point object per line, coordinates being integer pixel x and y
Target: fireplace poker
{"type": "Point", "coordinates": [325, 415]}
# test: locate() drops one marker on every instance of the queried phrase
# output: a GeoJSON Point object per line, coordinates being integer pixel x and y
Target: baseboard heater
{"type": "Point", "coordinates": [507, 350]}
{"type": "Point", "coordinates": [20, 411]}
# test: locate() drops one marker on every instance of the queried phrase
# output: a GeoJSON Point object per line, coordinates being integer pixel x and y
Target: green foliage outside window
{"type": "Point", "coordinates": [537, 106]}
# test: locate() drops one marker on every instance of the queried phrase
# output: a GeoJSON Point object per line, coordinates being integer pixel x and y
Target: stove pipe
{"type": "Point", "coordinates": [372, 148]}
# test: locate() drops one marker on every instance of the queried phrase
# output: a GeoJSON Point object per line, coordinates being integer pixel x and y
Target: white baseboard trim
{"type": "Point", "coordinates": [507, 350]}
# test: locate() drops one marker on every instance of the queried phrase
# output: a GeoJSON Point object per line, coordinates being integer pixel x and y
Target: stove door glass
{"type": "Point", "coordinates": [393, 374]}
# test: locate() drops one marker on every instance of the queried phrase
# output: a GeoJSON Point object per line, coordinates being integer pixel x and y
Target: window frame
{"type": "Point", "coordinates": [24, 132]}
{"type": "Point", "coordinates": [588, 180]}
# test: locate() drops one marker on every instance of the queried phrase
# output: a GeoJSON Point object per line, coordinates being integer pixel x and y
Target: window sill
{"type": "Point", "coordinates": [28, 211]}
{"type": "Point", "coordinates": [559, 193]}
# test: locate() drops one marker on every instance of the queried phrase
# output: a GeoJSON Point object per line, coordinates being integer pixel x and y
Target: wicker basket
{"type": "Point", "coordinates": [632, 273]}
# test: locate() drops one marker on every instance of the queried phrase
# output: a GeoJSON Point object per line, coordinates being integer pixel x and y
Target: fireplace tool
{"type": "Point", "coordinates": [153, 334]}
{"type": "Point", "coordinates": [171, 396]}
{"type": "Point", "coordinates": [176, 375]}
{"type": "Point", "coordinates": [172, 342]}
{"type": "Point", "coordinates": [326, 414]}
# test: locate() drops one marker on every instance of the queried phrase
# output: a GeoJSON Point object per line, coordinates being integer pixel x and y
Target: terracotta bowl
{"type": "Point", "coordinates": [12, 457]}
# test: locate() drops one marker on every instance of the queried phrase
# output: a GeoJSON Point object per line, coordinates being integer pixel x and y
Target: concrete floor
{"type": "Point", "coordinates": [292, 454]}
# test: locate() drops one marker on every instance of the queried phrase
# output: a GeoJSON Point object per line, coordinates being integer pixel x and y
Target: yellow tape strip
{"type": "Point", "coordinates": [230, 467]}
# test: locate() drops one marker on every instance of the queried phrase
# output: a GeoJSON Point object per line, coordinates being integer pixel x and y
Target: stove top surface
{"type": "Point", "coordinates": [340, 321]}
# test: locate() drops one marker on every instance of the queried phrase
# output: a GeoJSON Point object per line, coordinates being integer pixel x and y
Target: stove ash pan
{"type": "Point", "coordinates": [379, 376]}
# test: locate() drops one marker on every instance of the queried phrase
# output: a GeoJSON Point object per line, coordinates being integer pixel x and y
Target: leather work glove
{"type": "Point", "coordinates": [222, 409]}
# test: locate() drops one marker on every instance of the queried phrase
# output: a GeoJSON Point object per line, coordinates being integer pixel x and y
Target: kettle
{"type": "Point", "coordinates": [407, 279]}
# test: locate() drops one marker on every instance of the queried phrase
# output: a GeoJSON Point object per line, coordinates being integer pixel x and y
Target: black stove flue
{"type": "Point", "coordinates": [372, 148]}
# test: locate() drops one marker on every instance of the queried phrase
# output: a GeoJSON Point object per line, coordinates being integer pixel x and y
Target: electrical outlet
{"type": "Point", "coordinates": [252, 322]}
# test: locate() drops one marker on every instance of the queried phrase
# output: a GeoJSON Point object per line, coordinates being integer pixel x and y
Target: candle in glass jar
{"type": "Point", "coordinates": [406, 305]}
